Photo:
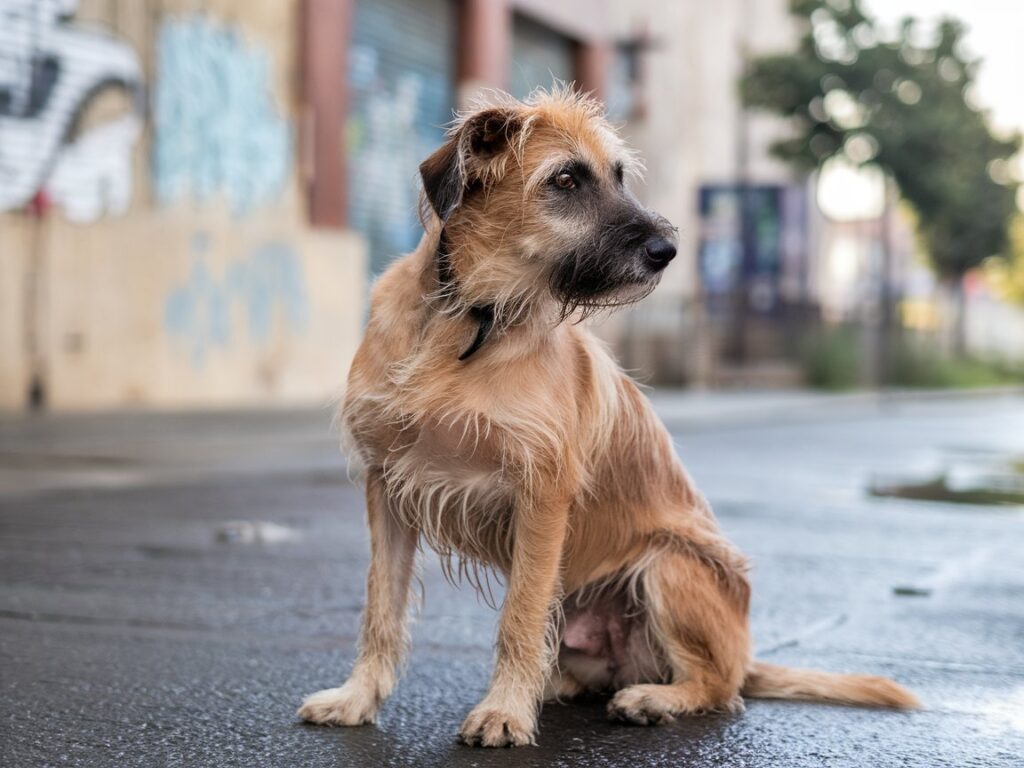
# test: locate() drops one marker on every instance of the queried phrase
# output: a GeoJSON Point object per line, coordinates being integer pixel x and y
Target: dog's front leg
{"type": "Point", "coordinates": [383, 638]}
{"type": "Point", "coordinates": [508, 713]}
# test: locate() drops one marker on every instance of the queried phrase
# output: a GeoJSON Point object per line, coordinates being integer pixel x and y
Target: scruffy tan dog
{"type": "Point", "coordinates": [500, 432]}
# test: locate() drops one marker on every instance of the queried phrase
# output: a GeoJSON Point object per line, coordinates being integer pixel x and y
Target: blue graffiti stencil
{"type": "Point", "coordinates": [199, 312]}
{"type": "Point", "coordinates": [271, 277]}
{"type": "Point", "coordinates": [217, 126]}
{"type": "Point", "coordinates": [269, 284]}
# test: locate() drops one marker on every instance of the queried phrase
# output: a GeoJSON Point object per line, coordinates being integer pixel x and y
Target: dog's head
{"type": "Point", "coordinates": [533, 197]}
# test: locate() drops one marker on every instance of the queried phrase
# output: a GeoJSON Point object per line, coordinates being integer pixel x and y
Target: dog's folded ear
{"type": "Point", "coordinates": [474, 154]}
{"type": "Point", "coordinates": [443, 179]}
{"type": "Point", "coordinates": [490, 132]}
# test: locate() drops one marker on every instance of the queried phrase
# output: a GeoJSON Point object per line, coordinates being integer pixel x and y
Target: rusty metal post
{"type": "Point", "coordinates": [593, 59]}
{"type": "Point", "coordinates": [485, 33]}
{"type": "Point", "coordinates": [325, 30]}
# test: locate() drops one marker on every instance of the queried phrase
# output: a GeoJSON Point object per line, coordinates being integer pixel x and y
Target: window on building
{"type": "Point", "coordinates": [539, 56]}
{"type": "Point", "coordinates": [623, 98]}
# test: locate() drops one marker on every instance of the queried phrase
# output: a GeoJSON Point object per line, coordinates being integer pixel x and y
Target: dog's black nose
{"type": "Point", "coordinates": [660, 252]}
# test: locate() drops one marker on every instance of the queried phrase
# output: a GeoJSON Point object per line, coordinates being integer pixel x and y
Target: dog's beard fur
{"type": "Point", "coordinates": [582, 293]}
{"type": "Point", "coordinates": [582, 290]}
{"type": "Point", "coordinates": [604, 273]}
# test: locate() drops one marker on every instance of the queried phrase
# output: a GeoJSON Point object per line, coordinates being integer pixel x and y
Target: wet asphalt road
{"type": "Point", "coordinates": [130, 635]}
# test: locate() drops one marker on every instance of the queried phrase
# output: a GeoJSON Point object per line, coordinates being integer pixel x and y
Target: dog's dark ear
{"type": "Point", "coordinates": [490, 132]}
{"type": "Point", "coordinates": [473, 154]}
{"type": "Point", "coordinates": [444, 179]}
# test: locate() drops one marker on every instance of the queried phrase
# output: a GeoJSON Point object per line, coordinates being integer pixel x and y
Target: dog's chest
{"type": "Point", "coordinates": [457, 446]}
{"type": "Point", "coordinates": [446, 477]}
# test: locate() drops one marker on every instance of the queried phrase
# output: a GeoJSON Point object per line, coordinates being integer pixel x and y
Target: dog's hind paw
{"type": "Point", "coordinates": [562, 687]}
{"type": "Point", "coordinates": [656, 704]}
{"type": "Point", "coordinates": [640, 706]}
{"type": "Point", "coordinates": [349, 705]}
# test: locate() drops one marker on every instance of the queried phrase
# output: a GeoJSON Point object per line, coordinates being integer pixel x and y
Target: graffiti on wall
{"type": "Point", "coordinates": [268, 287]}
{"type": "Point", "coordinates": [70, 111]}
{"type": "Point", "coordinates": [217, 128]}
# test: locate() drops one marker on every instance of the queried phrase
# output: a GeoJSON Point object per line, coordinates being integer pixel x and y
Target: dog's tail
{"type": "Point", "coordinates": [768, 681]}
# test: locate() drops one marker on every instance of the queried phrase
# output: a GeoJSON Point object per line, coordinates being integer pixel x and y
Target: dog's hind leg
{"type": "Point", "coordinates": [561, 685]}
{"type": "Point", "coordinates": [383, 637]}
{"type": "Point", "coordinates": [696, 606]}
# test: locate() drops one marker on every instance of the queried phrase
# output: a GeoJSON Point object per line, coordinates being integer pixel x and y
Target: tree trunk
{"type": "Point", "coordinates": [960, 321]}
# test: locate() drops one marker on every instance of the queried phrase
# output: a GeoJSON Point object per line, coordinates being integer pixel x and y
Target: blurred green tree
{"type": "Point", "coordinates": [905, 104]}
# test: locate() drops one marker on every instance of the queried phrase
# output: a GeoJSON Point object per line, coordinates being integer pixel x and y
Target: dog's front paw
{"type": "Point", "coordinates": [352, 704]}
{"type": "Point", "coordinates": [487, 726]}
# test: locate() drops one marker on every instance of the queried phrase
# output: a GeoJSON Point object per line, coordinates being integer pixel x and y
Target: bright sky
{"type": "Point", "coordinates": [996, 36]}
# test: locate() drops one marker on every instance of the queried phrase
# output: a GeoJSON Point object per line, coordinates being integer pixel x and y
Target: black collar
{"type": "Point", "coordinates": [483, 314]}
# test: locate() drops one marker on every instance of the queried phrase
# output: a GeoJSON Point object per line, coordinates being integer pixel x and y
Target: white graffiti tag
{"type": "Point", "coordinates": [53, 139]}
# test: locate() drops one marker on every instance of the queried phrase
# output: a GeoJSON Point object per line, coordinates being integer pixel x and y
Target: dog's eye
{"type": "Point", "coordinates": [565, 180]}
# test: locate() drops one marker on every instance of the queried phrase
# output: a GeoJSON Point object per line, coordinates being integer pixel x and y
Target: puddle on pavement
{"type": "Point", "coordinates": [962, 476]}
{"type": "Point", "coordinates": [255, 532]}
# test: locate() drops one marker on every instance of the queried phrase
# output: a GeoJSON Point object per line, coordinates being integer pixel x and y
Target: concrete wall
{"type": "Point", "coordinates": [14, 369]}
{"type": "Point", "coordinates": [173, 266]}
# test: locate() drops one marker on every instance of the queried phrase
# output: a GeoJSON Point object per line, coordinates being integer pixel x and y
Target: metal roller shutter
{"type": "Point", "coordinates": [401, 74]}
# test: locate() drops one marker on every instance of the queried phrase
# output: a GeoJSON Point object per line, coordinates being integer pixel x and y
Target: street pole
{"type": "Point", "coordinates": [741, 299]}
{"type": "Point", "coordinates": [36, 309]}
{"type": "Point", "coordinates": [883, 345]}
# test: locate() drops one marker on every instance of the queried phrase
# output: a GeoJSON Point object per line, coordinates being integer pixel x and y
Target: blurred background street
{"type": "Point", "coordinates": [195, 198]}
{"type": "Point", "coordinates": [196, 194]}
{"type": "Point", "coordinates": [172, 586]}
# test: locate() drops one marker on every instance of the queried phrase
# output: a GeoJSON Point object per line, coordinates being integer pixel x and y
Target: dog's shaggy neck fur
{"type": "Point", "coordinates": [457, 282]}
{"type": "Point", "coordinates": [482, 314]}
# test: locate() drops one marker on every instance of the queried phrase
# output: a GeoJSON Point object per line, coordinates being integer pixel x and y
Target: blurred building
{"type": "Point", "coordinates": [195, 194]}
{"type": "Point", "coordinates": [743, 217]}
{"type": "Point", "coordinates": [158, 245]}
{"type": "Point", "coordinates": [668, 72]}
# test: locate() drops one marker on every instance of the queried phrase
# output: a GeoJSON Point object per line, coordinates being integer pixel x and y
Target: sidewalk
{"type": "Point", "coordinates": [718, 409]}
{"type": "Point", "coordinates": [140, 625]}
{"type": "Point", "coordinates": [126, 448]}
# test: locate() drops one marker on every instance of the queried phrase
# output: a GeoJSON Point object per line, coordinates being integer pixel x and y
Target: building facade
{"type": "Point", "coordinates": [195, 194]}
{"type": "Point", "coordinates": [156, 240]}
{"type": "Point", "coordinates": [704, 152]}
